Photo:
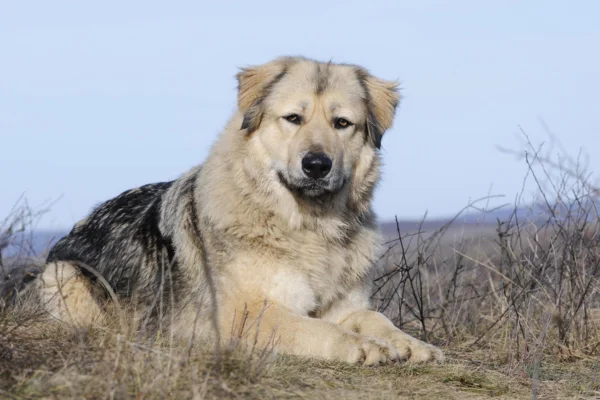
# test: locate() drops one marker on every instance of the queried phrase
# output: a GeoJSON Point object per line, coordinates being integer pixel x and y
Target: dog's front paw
{"type": "Point", "coordinates": [414, 350]}
{"type": "Point", "coordinates": [370, 351]}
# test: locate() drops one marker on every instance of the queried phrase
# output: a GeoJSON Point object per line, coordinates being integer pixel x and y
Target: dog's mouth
{"type": "Point", "coordinates": [311, 188]}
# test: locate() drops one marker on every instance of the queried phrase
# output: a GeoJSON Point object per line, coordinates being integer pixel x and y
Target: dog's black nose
{"type": "Point", "coordinates": [316, 165]}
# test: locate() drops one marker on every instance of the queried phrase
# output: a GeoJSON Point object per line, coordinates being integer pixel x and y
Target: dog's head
{"type": "Point", "coordinates": [318, 125]}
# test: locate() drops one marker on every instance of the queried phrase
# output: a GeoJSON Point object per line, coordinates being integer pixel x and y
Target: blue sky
{"type": "Point", "coordinates": [99, 97]}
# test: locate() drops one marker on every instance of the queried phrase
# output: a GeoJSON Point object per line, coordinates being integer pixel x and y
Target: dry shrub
{"type": "Point", "coordinates": [526, 287]}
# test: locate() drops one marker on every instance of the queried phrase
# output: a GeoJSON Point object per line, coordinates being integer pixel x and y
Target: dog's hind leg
{"type": "Point", "coordinates": [67, 295]}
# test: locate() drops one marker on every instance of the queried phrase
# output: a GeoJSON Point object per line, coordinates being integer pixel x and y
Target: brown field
{"type": "Point", "coordinates": [514, 304]}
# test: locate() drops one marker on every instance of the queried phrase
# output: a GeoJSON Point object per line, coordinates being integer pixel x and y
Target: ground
{"type": "Point", "coordinates": [458, 379]}
{"type": "Point", "coordinates": [52, 362]}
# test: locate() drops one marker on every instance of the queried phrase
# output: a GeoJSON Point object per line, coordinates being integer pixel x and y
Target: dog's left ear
{"type": "Point", "coordinates": [254, 85]}
{"type": "Point", "coordinates": [383, 98]}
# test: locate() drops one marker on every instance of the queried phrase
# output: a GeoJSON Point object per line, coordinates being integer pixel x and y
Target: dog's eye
{"type": "Point", "coordinates": [341, 123]}
{"type": "Point", "coordinates": [293, 118]}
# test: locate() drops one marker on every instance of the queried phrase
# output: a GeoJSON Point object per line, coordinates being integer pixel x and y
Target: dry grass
{"type": "Point", "coordinates": [44, 360]}
{"type": "Point", "coordinates": [516, 309]}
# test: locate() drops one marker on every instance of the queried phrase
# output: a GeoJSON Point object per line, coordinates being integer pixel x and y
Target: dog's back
{"type": "Point", "coordinates": [122, 242]}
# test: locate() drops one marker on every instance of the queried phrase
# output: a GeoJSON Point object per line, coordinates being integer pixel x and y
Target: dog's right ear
{"type": "Point", "coordinates": [254, 85]}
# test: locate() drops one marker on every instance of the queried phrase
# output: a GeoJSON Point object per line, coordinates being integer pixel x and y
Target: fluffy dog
{"type": "Point", "coordinates": [275, 226]}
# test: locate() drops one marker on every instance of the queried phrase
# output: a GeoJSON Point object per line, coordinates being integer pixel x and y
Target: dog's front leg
{"type": "Point", "coordinates": [354, 314]}
{"type": "Point", "coordinates": [260, 322]}
{"type": "Point", "coordinates": [372, 323]}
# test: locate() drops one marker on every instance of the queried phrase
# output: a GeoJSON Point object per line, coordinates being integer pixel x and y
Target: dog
{"type": "Point", "coordinates": [276, 226]}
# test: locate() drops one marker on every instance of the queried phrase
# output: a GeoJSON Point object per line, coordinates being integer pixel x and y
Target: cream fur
{"type": "Point", "coordinates": [298, 267]}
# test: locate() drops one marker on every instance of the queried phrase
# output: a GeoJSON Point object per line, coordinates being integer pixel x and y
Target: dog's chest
{"type": "Point", "coordinates": [293, 291]}
{"type": "Point", "coordinates": [316, 276]}
{"type": "Point", "coordinates": [304, 270]}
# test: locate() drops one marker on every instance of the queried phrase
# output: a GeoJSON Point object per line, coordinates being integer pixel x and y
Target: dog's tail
{"type": "Point", "coordinates": [16, 279]}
